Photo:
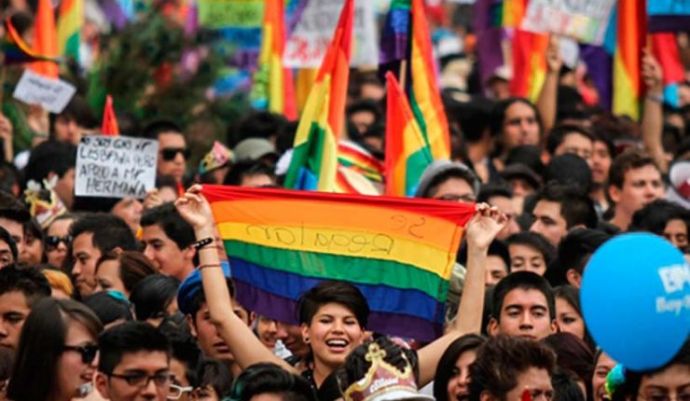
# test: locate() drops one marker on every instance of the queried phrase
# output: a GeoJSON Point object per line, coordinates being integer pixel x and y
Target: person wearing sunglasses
{"type": "Point", "coordinates": [134, 363]}
{"type": "Point", "coordinates": [172, 148]}
{"type": "Point", "coordinates": [56, 358]}
{"type": "Point", "coordinates": [57, 240]}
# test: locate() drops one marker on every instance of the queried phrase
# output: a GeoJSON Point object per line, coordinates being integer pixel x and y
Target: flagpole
{"type": "Point", "coordinates": [403, 73]}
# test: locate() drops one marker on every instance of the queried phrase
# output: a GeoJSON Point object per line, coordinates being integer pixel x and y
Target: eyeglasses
{"type": "Point", "coordinates": [660, 396]}
{"type": "Point", "coordinates": [142, 379]}
{"type": "Point", "coordinates": [169, 154]}
{"type": "Point", "coordinates": [176, 392]}
{"type": "Point", "coordinates": [87, 352]}
{"type": "Point", "coordinates": [52, 241]}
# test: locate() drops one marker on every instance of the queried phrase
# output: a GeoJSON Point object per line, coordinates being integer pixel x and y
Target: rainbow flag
{"type": "Point", "coordinates": [273, 88]}
{"type": "Point", "coordinates": [314, 158]}
{"type": "Point", "coordinates": [508, 13]}
{"type": "Point", "coordinates": [109, 125]}
{"type": "Point", "coordinates": [407, 155]}
{"type": "Point", "coordinates": [529, 64]}
{"type": "Point", "coordinates": [70, 23]}
{"type": "Point", "coordinates": [353, 156]}
{"type": "Point", "coordinates": [425, 96]}
{"type": "Point", "coordinates": [406, 39]}
{"type": "Point", "coordinates": [665, 50]}
{"type": "Point", "coordinates": [16, 51]}
{"type": "Point", "coordinates": [399, 252]}
{"type": "Point", "coordinates": [45, 39]}
{"type": "Point", "coordinates": [631, 31]}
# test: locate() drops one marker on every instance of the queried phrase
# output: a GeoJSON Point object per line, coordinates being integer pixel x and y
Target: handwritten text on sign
{"type": "Point", "coordinates": [51, 94]}
{"type": "Point", "coordinates": [584, 20]}
{"type": "Point", "coordinates": [308, 42]}
{"type": "Point", "coordinates": [115, 167]}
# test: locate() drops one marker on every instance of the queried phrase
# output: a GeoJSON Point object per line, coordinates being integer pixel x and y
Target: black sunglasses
{"type": "Point", "coordinates": [169, 154]}
{"type": "Point", "coordinates": [87, 352]}
{"type": "Point", "coordinates": [53, 241]}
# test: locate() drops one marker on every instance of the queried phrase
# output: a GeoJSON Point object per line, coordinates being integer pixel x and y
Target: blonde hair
{"type": "Point", "coordinates": [59, 281]}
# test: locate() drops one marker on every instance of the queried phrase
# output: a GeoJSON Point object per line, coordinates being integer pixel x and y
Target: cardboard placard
{"type": "Point", "coordinates": [51, 94]}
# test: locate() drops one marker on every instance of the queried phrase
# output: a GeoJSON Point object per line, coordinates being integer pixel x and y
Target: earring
{"type": "Point", "coordinates": [306, 340]}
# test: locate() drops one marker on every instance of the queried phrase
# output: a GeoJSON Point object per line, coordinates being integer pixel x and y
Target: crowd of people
{"type": "Point", "coordinates": [129, 299]}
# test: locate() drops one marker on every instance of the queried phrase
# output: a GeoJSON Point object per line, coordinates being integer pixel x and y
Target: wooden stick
{"type": "Point", "coordinates": [403, 73]}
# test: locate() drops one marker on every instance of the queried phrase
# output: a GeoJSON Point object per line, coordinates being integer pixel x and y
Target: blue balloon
{"type": "Point", "coordinates": [636, 300]}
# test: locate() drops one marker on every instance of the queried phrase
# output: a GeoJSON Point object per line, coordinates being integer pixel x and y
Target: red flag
{"type": "Point", "coordinates": [45, 39]}
{"type": "Point", "coordinates": [109, 126]}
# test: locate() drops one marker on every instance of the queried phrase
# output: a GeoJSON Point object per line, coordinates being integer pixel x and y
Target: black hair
{"type": "Point", "coordinates": [263, 378]}
{"type": "Point", "coordinates": [109, 231]}
{"type": "Point", "coordinates": [565, 387]}
{"type": "Point", "coordinates": [248, 168]}
{"type": "Point", "coordinates": [496, 248]}
{"type": "Point", "coordinates": [522, 280]}
{"type": "Point", "coordinates": [366, 105]}
{"type": "Point", "coordinates": [446, 365]}
{"type": "Point", "coordinates": [6, 237]}
{"type": "Point", "coordinates": [41, 346]}
{"type": "Point", "coordinates": [154, 128]}
{"type": "Point", "coordinates": [338, 292]}
{"type": "Point", "coordinates": [446, 174]}
{"type": "Point", "coordinates": [576, 207]}
{"type": "Point", "coordinates": [502, 359]}
{"type": "Point", "coordinates": [169, 220]}
{"type": "Point", "coordinates": [557, 135]}
{"type": "Point", "coordinates": [128, 337]}
{"type": "Point", "coordinates": [535, 241]}
{"type": "Point", "coordinates": [152, 296]}
{"type": "Point", "coordinates": [27, 280]}
{"type": "Point", "coordinates": [488, 191]}
{"type": "Point", "coordinates": [631, 386]}
{"type": "Point", "coordinates": [79, 111]}
{"type": "Point", "coordinates": [50, 156]}
{"type": "Point", "coordinates": [571, 295]}
{"type": "Point", "coordinates": [109, 308]}
{"type": "Point", "coordinates": [472, 117]}
{"type": "Point", "coordinates": [654, 216]}
{"type": "Point", "coordinates": [12, 209]}
{"type": "Point", "coordinates": [258, 124]}
{"type": "Point", "coordinates": [574, 252]}
{"type": "Point", "coordinates": [569, 169]}
{"type": "Point", "coordinates": [184, 347]}
{"type": "Point", "coordinates": [9, 177]}
{"type": "Point", "coordinates": [631, 159]}
{"type": "Point", "coordinates": [213, 373]}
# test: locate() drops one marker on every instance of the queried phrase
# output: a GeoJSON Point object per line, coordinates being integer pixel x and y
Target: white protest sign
{"type": "Point", "coordinates": [584, 20]}
{"type": "Point", "coordinates": [51, 94]}
{"type": "Point", "coordinates": [115, 166]}
{"type": "Point", "coordinates": [309, 40]}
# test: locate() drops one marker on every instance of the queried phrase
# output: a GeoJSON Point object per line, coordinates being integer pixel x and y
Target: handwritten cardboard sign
{"type": "Point", "coordinates": [308, 42]}
{"type": "Point", "coordinates": [584, 20]}
{"type": "Point", "coordinates": [51, 94]}
{"type": "Point", "coordinates": [115, 166]}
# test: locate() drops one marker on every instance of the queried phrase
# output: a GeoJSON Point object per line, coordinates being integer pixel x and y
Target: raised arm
{"type": "Point", "coordinates": [480, 232]}
{"type": "Point", "coordinates": [244, 345]}
{"type": "Point", "coordinates": [653, 114]}
{"type": "Point", "coordinates": [548, 97]}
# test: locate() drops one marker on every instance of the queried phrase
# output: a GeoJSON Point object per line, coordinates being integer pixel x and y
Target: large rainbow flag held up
{"type": "Point", "coordinates": [314, 164]}
{"type": "Point", "coordinates": [70, 23]}
{"type": "Point", "coordinates": [399, 252]}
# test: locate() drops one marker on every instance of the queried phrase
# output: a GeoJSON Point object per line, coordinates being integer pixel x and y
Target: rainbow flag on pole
{"type": "Point", "coordinates": [45, 39]}
{"type": "Point", "coordinates": [273, 88]}
{"type": "Point", "coordinates": [315, 152]}
{"type": "Point", "coordinates": [529, 64]}
{"type": "Point", "coordinates": [407, 155]}
{"type": "Point", "coordinates": [70, 23]}
{"type": "Point", "coordinates": [16, 51]}
{"type": "Point", "coordinates": [399, 252]}
{"type": "Point", "coordinates": [406, 39]}
{"type": "Point", "coordinates": [425, 96]}
{"type": "Point", "coordinates": [631, 31]}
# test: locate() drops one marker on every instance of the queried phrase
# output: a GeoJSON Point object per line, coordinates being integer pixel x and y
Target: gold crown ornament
{"type": "Point", "coordinates": [383, 381]}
